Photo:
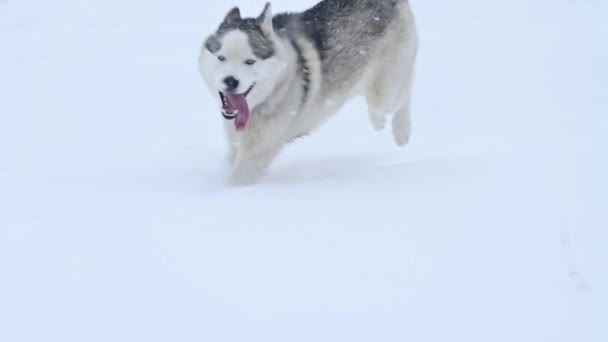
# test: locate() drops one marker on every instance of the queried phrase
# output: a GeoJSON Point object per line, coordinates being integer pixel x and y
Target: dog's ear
{"type": "Point", "coordinates": [213, 44]}
{"type": "Point", "coordinates": [233, 16]}
{"type": "Point", "coordinates": [265, 19]}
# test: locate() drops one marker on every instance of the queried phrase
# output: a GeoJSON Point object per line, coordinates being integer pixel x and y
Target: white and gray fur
{"type": "Point", "coordinates": [308, 65]}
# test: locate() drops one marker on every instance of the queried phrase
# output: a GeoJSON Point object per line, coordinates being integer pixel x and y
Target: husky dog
{"type": "Point", "coordinates": [278, 78]}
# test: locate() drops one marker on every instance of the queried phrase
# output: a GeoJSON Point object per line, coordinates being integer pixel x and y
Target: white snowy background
{"type": "Point", "coordinates": [115, 224]}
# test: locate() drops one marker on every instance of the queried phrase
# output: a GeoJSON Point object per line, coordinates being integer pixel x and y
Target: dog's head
{"type": "Point", "coordinates": [239, 62]}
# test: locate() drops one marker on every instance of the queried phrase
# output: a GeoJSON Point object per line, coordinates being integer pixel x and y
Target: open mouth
{"type": "Point", "coordinates": [235, 107]}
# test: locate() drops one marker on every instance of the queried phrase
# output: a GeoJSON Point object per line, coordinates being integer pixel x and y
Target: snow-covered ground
{"type": "Point", "coordinates": [115, 224]}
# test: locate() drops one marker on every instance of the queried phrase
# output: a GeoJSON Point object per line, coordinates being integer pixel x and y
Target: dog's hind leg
{"type": "Point", "coordinates": [390, 93]}
{"type": "Point", "coordinates": [389, 86]}
{"type": "Point", "coordinates": [402, 126]}
{"type": "Point", "coordinates": [390, 80]}
{"type": "Point", "coordinates": [379, 95]}
{"type": "Point", "coordinates": [390, 89]}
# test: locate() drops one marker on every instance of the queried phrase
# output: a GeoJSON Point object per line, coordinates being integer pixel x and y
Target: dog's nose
{"type": "Point", "coordinates": [231, 83]}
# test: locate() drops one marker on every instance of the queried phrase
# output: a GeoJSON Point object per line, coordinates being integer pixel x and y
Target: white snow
{"type": "Point", "coordinates": [115, 224]}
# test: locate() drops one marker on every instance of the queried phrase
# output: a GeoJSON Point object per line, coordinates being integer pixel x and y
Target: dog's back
{"type": "Point", "coordinates": [345, 33]}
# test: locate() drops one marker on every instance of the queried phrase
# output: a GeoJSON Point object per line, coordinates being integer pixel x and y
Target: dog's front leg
{"type": "Point", "coordinates": [251, 164]}
{"type": "Point", "coordinates": [232, 143]}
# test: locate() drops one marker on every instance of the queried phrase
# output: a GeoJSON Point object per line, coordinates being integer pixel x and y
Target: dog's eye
{"type": "Point", "coordinates": [221, 58]}
{"type": "Point", "coordinates": [250, 61]}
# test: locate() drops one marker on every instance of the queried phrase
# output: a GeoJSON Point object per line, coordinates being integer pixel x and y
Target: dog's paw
{"type": "Point", "coordinates": [242, 182]}
{"type": "Point", "coordinates": [240, 177]}
{"type": "Point", "coordinates": [402, 134]}
{"type": "Point", "coordinates": [378, 120]}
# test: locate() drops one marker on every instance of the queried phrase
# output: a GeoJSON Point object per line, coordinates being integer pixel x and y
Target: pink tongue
{"type": "Point", "coordinates": [238, 104]}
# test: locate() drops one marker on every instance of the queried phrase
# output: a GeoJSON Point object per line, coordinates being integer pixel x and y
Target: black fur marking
{"type": "Point", "coordinates": [297, 138]}
{"type": "Point", "coordinates": [262, 46]}
{"type": "Point", "coordinates": [283, 26]}
{"type": "Point", "coordinates": [213, 44]}
{"type": "Point", "coordinates": [303, 70]}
